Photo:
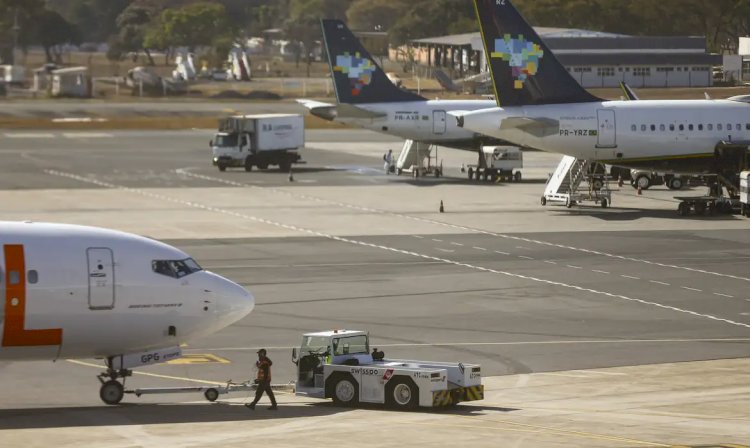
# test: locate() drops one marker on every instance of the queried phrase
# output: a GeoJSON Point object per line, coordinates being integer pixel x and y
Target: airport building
{"type": "Point", "coordinates": [595, 59]}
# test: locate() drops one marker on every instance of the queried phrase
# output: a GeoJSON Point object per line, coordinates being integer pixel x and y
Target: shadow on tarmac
{"type": "Point", "coordinates": [154, 414]}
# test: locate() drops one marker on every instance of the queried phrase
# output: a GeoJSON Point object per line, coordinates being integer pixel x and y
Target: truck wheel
{"type": "Point", "coordinates": [675, 183]}
{"type": "Point", "coordinates": [471, 173]}
{"type": "Point", "coordinates": [517, 176]}
{"type": "Point", "coordinates": [643, 182]}
{"type": "Point", "coordinates": [345, 391]}
{"type": "Point", "coordinates": [683, 209]}
{"type": "Point", "coordinates": [248, 164]}
{"type": "Point", "coordinates": [402, 393]}
{"type": "Point", "coordinates": [222, 168]}
{"type": "Point", "coordinates": [262, 165]}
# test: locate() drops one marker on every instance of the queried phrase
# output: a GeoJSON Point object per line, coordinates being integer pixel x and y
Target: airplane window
{"type": "Point", "coordinates": [653, 127]}
{"type": "Point", "coordinates": [671, 127]}
{"type": "Point", "coordinates": [718, 127]}
{"type": "Point", "coordinates": [710, 127]}
{"type": "Point", "coordinates": [729, 127]}
{"type": "Point", "coordinates": [175, 268]}
{"type": "Point", "coordinates": [690, 127]}
{"type": "Point", "coordinates": [633, 128]}
{"type": "Point", "coordinates": [747, 126]}
{"type": "Point", "coordinates": [32, 276]}
{"type": "Point", "coordinates": [661, 127]}
{"type": "Point", "coordinates": [682, 127]}
{"type": "Point", "coordinates": [700, 127]}
{"type": "Point", "coordinates": [738, 127]}
{"type": "Point", "coordinates": [643, 128]}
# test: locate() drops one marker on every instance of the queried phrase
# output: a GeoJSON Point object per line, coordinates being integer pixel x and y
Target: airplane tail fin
{"type": "Point", "coordinates": [524, 70]}
{"type": "Point", "coordinates": [357, 78]}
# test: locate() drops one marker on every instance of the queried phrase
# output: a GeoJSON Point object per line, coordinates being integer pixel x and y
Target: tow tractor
{"type": "Point", "coordinates": [339, 365]}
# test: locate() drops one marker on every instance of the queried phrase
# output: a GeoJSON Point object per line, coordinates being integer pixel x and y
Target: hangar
{"type": "Point", "coordinates": [595, 59]}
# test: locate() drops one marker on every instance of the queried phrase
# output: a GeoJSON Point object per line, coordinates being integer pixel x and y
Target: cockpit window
{"type": "Point", "coordinates": [175, 268]}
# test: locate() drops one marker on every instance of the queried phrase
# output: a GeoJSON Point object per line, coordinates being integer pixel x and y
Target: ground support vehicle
{"type": "Point", "coordinates": [646, 179]}
{"type": "Point", "coordinates": [338, 365]}
{"type": "Point", "coordinates": [497, 163]}
{"type": "Point", "coordinates": [564, 185]}
{"type": "Point", "coordinates": [247, 141]}
{"type": "Point", "coordinates": [745, 193]}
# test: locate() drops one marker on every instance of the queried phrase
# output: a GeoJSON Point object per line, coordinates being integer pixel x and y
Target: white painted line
{"type": "Point", "coordinates": [480, 248]}
{"type": "Point", "coordinates": [521, 247]}
{"type": "Point", "coordinates": [418, 237]}
{"type": "Point", "coordinates": [659, 283]}
{"type": "Point", "coordinates": [28, 135]}
{"type": "Point", "coordinates": [500, 344]}
{"type": "Point", "coordinates": [550, 262]}
{"type": "Point", "coordinates": [525, 257]}
{"type": "Point", "coordinates": [723, 295]}
{"type": "Point", "coordinates": [630, 277]}
{"type": "Point", "coordinates": [457, 244]}
{"type": "Point", "coordinates": [561, 374]}
{"type": "Point", "coordinates": [87, 135]}
{"type": "Point", "coordinates": [573, 267]}
{"type": "Point", "coordinates": [599, 372]}
{"type": "Point", "coordinates": [437, 240]}
{"type": "Point", "coordinates": [185, 172]}
{"type": "Point", "coordinates": [445, 250]}
{"type": "Point", "coordinates": [691, 289]}
{"type": "Point", "coordinates": [269, 222]}
{"type": "Point", "coordinates": [501, 253]}
{"type": "Point", "coordinates": [600, 272]}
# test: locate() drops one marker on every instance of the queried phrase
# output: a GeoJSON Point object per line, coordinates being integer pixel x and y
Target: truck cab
{"type": "Point", "coordinates": [228, 147]}
{"type": "Point", "coordinates": [338, 364]}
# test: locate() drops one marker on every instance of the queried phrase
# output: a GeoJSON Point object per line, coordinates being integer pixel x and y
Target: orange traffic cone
{"type": "Point", "coordinates": [442, 209]}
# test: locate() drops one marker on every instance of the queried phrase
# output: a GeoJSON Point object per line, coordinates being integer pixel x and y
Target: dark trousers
{"type": "Point", "coordinates": [264, 386]}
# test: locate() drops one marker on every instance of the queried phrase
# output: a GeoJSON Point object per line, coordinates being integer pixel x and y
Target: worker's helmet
{"type": "Point", "coordinates": [262, 352]}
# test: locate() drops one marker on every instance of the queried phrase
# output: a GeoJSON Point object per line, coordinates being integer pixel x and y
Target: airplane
{"type": "Point", "coordinates": [85, 292]}
{"type": "Point", "coordinates": [541, 106]}
{"type": "Point", "coordinates": [366, 98]}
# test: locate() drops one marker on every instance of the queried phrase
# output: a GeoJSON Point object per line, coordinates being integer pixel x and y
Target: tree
{"type": "Point", "coordinates": [132, 24]}
{"type": "Point", "coordinates": [303, 25]}
{"type": "Point", "coordinates": [376, 14]}
{"type": "Point", "coordinates": [53, 31]}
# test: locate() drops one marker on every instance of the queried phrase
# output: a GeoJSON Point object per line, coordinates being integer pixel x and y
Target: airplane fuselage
{"type": "Point", "coordinates": [71, 291]}
{"type": "Point", "coordinates": [676, 136]}
{"type": "Point", "coordinates": [425, 121]}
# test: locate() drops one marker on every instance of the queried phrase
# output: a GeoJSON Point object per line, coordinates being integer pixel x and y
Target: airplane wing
{"type": "Point", "coordinates": [629, 93]}
{"type": "Point", "coordinates": [312, 104]}
{"type": "Point", "coordinates": [539, 127]}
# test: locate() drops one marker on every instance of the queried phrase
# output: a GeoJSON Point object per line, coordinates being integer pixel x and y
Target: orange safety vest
{"type": "Point", "coordinates": [263, 366]}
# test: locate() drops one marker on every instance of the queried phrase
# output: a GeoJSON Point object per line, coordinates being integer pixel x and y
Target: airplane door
{"type": "Point", "coordinates": [607, 137]}
{"type": "Point", "coordinates": [101, 272]}
{"type": "Point", "coordinates": [438, 122]}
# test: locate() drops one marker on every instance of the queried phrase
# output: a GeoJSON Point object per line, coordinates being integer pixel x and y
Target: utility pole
{"type": "Point", "coordinates": [16, 30]}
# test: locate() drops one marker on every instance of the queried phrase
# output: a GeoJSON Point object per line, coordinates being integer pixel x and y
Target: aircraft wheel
{"type": "Point", "coordinates": [211, 394]}
{"type": "Point", "coordinates": [605, 203]}
{"type": "Point", "coordinates": [112, 392]}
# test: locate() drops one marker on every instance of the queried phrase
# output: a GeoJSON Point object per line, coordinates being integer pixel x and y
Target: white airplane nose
{"type": "Point", "coordinates": [233, 302]}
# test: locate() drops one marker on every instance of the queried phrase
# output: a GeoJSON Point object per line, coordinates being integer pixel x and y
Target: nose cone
{"type": "Point", "coordinates": [233, 302]}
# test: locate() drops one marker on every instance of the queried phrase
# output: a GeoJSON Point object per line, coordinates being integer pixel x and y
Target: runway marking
{"type": "Point", "coordinates": [573, 267]}
{"type": "Point", "coordinates": [445, 250]}
{"type": "Point", "coordinates": [550, 262]}
{"type": "Point", "coordinates": [418, 237]}
{"type": "Point", "coordinates": [691, 289]}
{"type": "Point", "coordinates": [480, 248]}
{"type": "Point", "coordinates": [28, 135]}
{"type": "Point", "coordinates": [723, 295]}
{"type": "Point", "coordinates": [501, 253]}
{"type": "Point", "coordinates": [437, 240]}
{"type": "Point", "coordinates": [599, 372]}
{"type": "Point", "coordinates": [185, 172]}
{"type": "Point", "coordinates": [630, 277]}
{"type": "Point", "coordinates": [457, 244]}
{"type": "Point", "coordinates": [316, 265]}
{"type": "Point", "coordinates": [87, 135]}
{"type": "Point", "coordinates": [525, 257]}
{"type": "Point", "coordinates": [390, 249]}
{"type": "Point", "coordinates": [490, 344]}
{"type": "Point", "coordinates": [600, 272]}
{"type": "Point", "coordinates": [199, 358]}
{"type": "Point", "coordinates": [659, 283]}
{"type": "Point", "coordinates": [560, 374]}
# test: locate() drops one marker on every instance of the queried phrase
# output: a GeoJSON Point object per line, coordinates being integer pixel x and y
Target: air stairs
{"type": "Point", "coordinates": [564, 186]}
{"type": "Point", "coordinates": [416, 158]}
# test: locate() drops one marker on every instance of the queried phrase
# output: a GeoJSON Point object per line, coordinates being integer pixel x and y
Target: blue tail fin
{"type": "Point", "coordinates": [524, 70]}
{"type": "Point", "coordinates": [357, 78]}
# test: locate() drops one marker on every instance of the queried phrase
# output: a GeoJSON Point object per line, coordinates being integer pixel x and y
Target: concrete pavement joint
{"type": "Point", "coordinates": [392, 249]}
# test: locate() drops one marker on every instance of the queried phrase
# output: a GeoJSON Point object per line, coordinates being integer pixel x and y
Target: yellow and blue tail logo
{"type": "Point", "coordinates": [359, 70]}
{"type": "Point", "coordinates": [522, 56]}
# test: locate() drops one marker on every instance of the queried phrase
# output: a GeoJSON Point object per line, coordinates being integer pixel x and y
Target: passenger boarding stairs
{"type": "Point", "coordinates": [413, 156]}
{"type": "Point", "coordinates": [563, 185]}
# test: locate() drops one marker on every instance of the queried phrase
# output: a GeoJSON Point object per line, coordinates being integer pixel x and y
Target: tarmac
{"type": "Point", "coordinates": [619, 327]}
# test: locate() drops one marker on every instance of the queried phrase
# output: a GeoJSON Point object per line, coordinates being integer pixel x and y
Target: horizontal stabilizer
{"type": "Point", "coordinates": [539, 127]}
{"type": "Point", "coordinates": [351, 111]}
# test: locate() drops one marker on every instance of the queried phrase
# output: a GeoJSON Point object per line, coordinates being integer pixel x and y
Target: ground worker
{"type": "Point", "coordinates": [263, 381]}
{"type": "Point", "coordinates": [388, 159]}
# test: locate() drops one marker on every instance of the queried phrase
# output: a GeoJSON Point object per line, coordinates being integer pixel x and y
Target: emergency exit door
{"type": "Point", "coordinates": [607, 137]}
{"type": "Point", "coordinates": [438, 121]}
{"type": "Point", "coordinates": [101, 272]}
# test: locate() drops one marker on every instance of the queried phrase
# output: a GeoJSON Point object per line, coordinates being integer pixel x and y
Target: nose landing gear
{"type": "Point", "coordinates": [112, 391]}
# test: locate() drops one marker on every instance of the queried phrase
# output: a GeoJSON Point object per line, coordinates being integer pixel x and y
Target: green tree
{"type": "Point", "coordinates": [303, 25]}
{"type": "Point", "coordinates": [376, 14]}
{"type": "Point", "coordinates": [52, 31]}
